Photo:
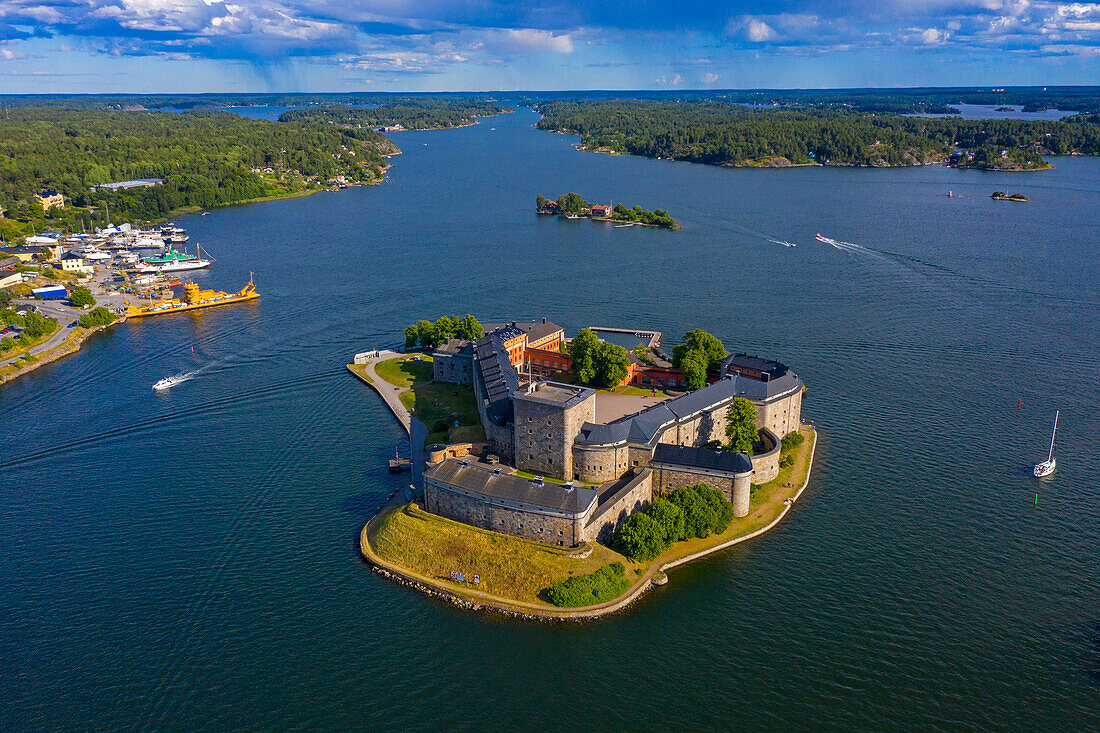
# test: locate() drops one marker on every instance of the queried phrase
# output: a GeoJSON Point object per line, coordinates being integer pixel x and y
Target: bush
{"type": "Point", "coordinates": [80, 297]}
{"type": "Point", "coordinates": [38, 325]}
{"type": "Point", "coordinates": [607, 583]}
{"type": "Point", "coordinates": [671, 519]}
{"type": "Point", "coordinates": [5, 298]}
{"type": "Point", "coordinates": [7, 343]}
{"type": "Point", "coordinates": [792, 441]}
{"type": "Point", "coordinates": [705, 510]}
{"type": "Point", "coordinates": [9, 317]}
{"type": "Point", "coordinates": [97, 317]}
{"type": "Point", "coordinates": [640, 537]}
{"type": "Point", "coordinates": [786, 460]}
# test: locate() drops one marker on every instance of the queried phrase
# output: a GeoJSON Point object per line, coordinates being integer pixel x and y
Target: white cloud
{"type": "Point", "coordinates": [530, 39]}
{"type": "Point", "coordinates": [710, 78]}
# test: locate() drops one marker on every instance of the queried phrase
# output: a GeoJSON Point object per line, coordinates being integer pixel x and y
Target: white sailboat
{"type": "Point", "coordinates": [1047, 467]}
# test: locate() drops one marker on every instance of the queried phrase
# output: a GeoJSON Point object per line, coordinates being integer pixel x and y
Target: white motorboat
{"type": "Point", "coordinates": [1048, 466]}
{"type": "Point", "coordinates": [166, 383]}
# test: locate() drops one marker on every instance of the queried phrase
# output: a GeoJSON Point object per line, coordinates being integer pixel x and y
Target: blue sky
{"type": "Point", "coordinates": [427, 45]}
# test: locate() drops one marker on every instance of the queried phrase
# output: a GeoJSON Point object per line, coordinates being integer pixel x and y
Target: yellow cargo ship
{"type": "Point", "coordinates": [194, 298]}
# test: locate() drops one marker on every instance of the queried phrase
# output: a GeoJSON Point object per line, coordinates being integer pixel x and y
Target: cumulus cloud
{"type": "Point", "coordinates": [431, 34]}
{"type": "Point", "coordinates": [710, 78]}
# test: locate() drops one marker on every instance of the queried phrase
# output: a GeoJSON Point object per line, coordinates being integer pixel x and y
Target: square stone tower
{"type": "Point", "coordinates": [548, 417]}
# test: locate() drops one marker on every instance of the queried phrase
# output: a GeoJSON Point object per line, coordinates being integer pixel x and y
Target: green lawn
{"type": "Point", "coordinates": [439, 405]}
{"type": "Point", "coordinates": [630, 389]}
{"type": "Point", "coordinates": [405, 371]}
{"type": "Point", "coordinates": [509, 567]}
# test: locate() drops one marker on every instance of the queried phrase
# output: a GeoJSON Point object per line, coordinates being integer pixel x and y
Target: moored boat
{"type": "Point", "coordinates": [193, 299]}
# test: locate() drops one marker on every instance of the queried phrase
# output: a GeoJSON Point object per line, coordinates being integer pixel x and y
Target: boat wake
{"type": "Point", "coordinates": [784, 242]}
{"type": "Point", "coordinates": [843, 246]}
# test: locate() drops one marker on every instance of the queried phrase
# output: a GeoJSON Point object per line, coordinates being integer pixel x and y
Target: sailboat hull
{"type": "Point", "coordinates": [1045, 468]}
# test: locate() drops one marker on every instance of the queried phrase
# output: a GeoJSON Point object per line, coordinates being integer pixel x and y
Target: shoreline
{"type": "Point", "coordinates": [65, 348]}
{"type": "Point", "coordinates": [471, 600]}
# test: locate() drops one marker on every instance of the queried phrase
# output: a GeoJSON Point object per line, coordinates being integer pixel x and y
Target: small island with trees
{"type": "Point", "coordinates": [1002, 196]}
{"type": "Point", "coordinates": [572, 206]}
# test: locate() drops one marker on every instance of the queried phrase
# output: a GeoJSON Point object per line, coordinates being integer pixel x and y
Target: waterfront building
{"type": "Point", "coordinates": [72, 262]}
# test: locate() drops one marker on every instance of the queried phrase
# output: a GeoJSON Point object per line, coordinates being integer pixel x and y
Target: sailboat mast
{"type": "Point", "coordinates": [1055, 432]}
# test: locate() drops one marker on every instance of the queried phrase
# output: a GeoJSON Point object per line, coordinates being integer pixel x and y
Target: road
{"type": "Point", "coordinates": [65, 314]}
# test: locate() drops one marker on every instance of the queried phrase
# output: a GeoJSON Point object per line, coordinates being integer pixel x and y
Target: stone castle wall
{"type": "Point", "coordinates": [666, 480]}
{"type": "Point", "coordinates": [633, 498]}
{"type": "Point", "coordinates": [553, 529]}
{"type": "Point", "coordinates": [452, 368]}
{"type": "Point", "coordinates": [765, 465]}
{"type": "Point", "coordinates": [782, 416]}
{"type": "Point", "coordinates": [545, 435]}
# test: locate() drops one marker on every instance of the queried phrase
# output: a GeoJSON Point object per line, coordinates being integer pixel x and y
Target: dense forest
{"type": "Point", "coordinates": [206, 158]}
{"type": "Point", "coordinates": [411, 114]}
{"type": "Point", "coordinates": [727, 133]}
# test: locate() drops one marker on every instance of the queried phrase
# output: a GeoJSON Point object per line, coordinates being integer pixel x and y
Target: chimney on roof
{"type": "Point", "coordinates": [513, 323]}
{"type": "Point", "coordinates": [544, 319]}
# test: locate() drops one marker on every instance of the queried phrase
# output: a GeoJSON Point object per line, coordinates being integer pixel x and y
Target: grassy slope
{"type": "Point", "coordinates": [509, 567]}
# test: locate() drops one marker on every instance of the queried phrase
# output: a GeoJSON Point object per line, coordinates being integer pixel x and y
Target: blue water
{"type": "Point", "coordinates": [993, 112]}
{"type": "Point", "coordinates": [189, 560]}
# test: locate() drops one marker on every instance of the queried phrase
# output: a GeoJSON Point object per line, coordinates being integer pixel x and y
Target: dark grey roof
{"type": "Point", "coordinates": [703, 458]}
{"type": "Point", "coordinates": [506, 333]}
{"type": "Point", "coordinates": [647, 426]}
{"type": "Point", "coordinates": [71, 256]}
{"type": "Point", "coordinates": [535, 330]}
{"type": "Point", "coordinates": [779, 378]}
{"type": "Point", "coordinates": [455, 346]}
{"type": "Point", "coordinates": [504, 486]}
{"type": "Point", "coordinates": [497, 375]}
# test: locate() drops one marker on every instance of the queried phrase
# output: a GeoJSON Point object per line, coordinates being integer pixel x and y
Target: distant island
{"type": "Point", "coordinates": [737, 135]}
{"type": "Point", "coordinates": [572, 206]}
{"type": "Point", "coordinates": [74, 167]}
{"type": "Point", "coordinates": [1001, 196]}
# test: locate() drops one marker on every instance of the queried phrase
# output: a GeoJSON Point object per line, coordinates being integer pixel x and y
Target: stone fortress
{"type": "Point", "coordinates": [572, 477]}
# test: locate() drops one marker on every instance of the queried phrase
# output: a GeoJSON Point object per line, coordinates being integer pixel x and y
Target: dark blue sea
{"type": "Point", "coordinates": [189, 560]}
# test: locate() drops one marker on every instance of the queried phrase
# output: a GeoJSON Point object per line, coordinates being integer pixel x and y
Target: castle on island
{"type": "Point", "coordinates": [565, 464]}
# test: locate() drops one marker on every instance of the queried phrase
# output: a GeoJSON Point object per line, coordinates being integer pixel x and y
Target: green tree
{"type": "Point", "coordinates": [572, 203]}
{"type": "Point", "coordinates": [38, 325]}
{"type": "Point", "coordinates": [540, 201]}
{"type": "Point", "coordinates": [705, 343]}
{"type": "Point", "coordinates": [425, 331]}
{"type": "Point", "coordinates": [693, 365]}
{"type": "Point", "coordinates": [670, 517]}
{"type": "Point", "coordinates": [9, 317]}
{"type": "Point", "coordinates": [699, 516]}
{"type": "Point", "coordinates": [741, 425]}
{"type": "Point", "coordinates": [81, 296]}
{"type": "Point", "coordinates": [468, 328]}
{"type": "Point", "coordinates": [96, 317]}
{"type": "Point", "coordinates": [7, 343]}
{"type": "Point", "coordinates": [412, 335]}
{"type": "Point", "coordinates": [639, 537]}
{"type": "Point", "coordinates": [721, 510]}
{"type": "Point", "coordinates": [581, 354]}
{"type": "Point", "coordinates": [611, 364]}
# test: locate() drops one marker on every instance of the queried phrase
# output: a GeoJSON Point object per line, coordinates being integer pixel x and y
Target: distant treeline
{"type": "Point", "coordinates": [412, 114]}
{"type": "Point", "coordinates": [199, 101]}
{"type": "Point", "coordinates": [205, 158]}
{"type": "Point", "coordinates": [732, 134]}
